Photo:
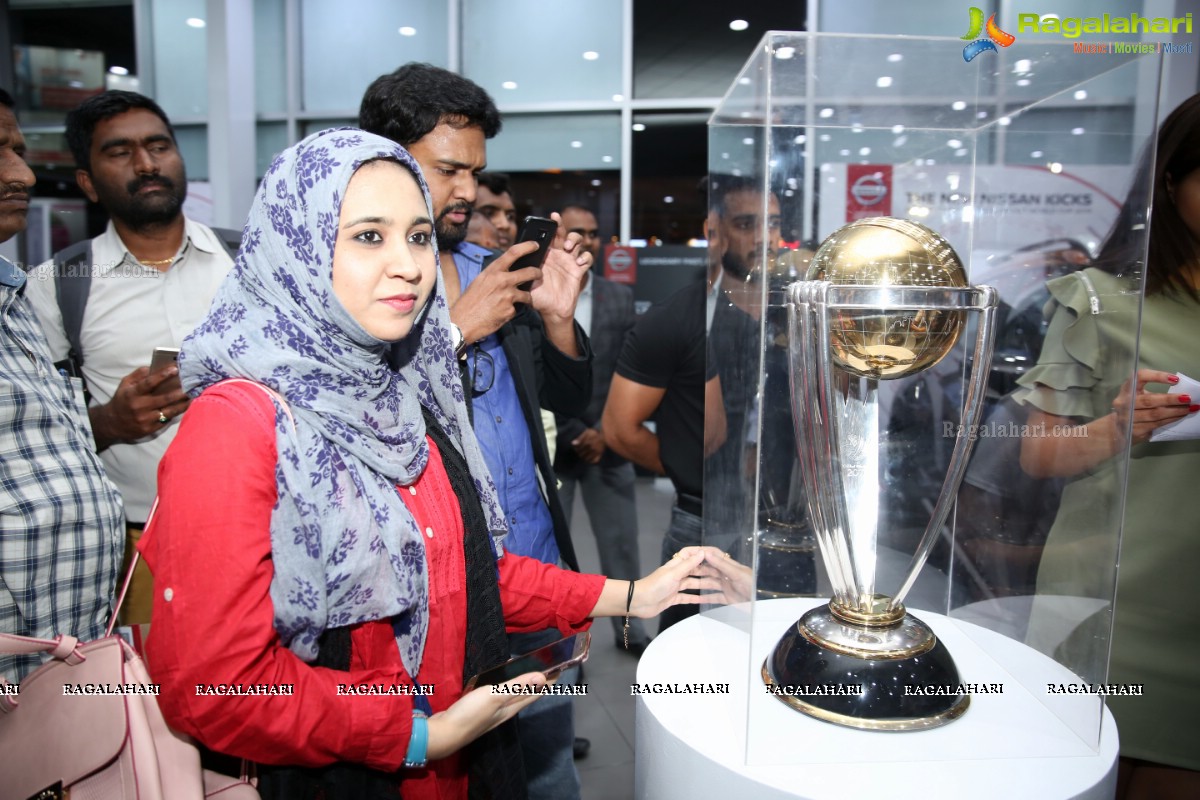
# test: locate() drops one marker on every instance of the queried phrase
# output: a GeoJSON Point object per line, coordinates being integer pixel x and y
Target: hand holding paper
{"type": "Point", "coordinates": [1187, 427]}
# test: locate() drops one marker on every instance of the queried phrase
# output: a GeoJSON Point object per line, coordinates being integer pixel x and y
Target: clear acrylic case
{"type": "Point", "coordinates": [1020, 159]}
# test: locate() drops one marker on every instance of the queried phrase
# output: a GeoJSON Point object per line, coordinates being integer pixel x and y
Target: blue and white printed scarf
{"type": "Point", "coordinates": [344, 546]}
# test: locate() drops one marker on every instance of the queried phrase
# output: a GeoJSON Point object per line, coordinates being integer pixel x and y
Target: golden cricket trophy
{"type": "Point", "coordinates": [884, 298]}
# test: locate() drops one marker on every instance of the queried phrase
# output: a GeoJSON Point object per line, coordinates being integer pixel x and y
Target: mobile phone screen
{"type": "Point", "coordinates": [549, 660]}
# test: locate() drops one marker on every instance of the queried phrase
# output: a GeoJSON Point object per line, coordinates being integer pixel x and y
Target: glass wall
{"type": "Point", "coordinates": [602, 99]}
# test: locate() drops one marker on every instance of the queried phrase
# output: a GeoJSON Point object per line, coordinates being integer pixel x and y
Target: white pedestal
{"type": "Point", "coordinates": [692, 746]}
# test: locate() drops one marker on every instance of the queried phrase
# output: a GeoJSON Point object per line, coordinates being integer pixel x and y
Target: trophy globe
{"type": "Point", "coordinates": [883, 299]}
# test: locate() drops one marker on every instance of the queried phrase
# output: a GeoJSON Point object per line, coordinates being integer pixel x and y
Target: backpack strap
{"type": "Point", "coordinates": [230, 239]}
{"type": "Point", "coordinates": [72, 283]}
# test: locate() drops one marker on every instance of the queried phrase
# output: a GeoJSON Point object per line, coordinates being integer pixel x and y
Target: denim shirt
{"type": "Point", "coordinates": [504, 439]}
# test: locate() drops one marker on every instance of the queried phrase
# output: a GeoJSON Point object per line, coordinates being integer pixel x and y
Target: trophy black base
{"type": "Point", "coordinates": [893, 676]}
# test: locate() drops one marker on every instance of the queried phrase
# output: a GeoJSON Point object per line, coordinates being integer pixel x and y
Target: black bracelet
{"type": "Point", "coordinates": [628, 603]}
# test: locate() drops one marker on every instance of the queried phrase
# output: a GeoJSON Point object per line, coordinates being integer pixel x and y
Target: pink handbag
{"type": "Point", "coordinates": [86, 725]}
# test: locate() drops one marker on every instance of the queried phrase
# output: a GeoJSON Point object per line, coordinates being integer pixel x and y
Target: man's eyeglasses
{"type": "Point", "coordinates": [483, 370]}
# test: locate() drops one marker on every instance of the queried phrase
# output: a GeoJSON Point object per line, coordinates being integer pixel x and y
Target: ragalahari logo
{"type": "Point", "coordinates": [995, 36]}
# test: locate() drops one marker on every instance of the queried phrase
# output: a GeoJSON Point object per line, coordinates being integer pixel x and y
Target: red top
{"type": "Point", "coordinates": [212, 622]}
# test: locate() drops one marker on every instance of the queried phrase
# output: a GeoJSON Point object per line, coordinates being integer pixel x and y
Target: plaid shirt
{"type": "Point", "coordinates": [61, 521]}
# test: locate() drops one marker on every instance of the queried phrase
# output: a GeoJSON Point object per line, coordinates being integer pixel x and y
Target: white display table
{"type": "Point", "coordinates": [692, 746]}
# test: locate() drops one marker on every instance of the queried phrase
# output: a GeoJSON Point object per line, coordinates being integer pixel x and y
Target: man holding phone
{"type": "Point", "coordinates": [149, 279]}
{"type": "Point", "coordinates": [522, 350]}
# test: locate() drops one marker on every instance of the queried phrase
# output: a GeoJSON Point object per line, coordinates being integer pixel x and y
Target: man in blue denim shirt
{"type": "Point", "coordinates": [522, 349]}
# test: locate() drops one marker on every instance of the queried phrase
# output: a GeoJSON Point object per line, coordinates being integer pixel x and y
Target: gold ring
{"type": "Point", "coordinates": [162, 418]}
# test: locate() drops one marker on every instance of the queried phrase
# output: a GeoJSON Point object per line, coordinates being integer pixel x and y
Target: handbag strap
{"type": "Point", "coordinates": [133, 562]}
{"type": "Point", "coordinates": [64, 648]}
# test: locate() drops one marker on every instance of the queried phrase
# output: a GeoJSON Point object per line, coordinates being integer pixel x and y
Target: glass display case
{"type": "Point", "coordinates": [890, 488]}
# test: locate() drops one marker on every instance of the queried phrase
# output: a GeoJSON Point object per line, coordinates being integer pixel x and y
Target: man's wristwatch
{"type": "Point", "coordinates": [458, 342]}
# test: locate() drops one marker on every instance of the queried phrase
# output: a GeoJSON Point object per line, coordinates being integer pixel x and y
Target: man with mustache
{"type": "Point", "coordinates": [60, 516]}
{"type": "Point", "coordinates": [153, 273]}
{"type": "Point", "coordinates": [521, 348]}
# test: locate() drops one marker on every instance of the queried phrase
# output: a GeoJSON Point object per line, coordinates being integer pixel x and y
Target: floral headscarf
{"type": "Point", "coordinates": [345, 547]}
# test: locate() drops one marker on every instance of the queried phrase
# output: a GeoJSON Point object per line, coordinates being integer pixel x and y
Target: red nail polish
{"type": "Point", "coordinates": [1185, 398]}
{"type": "Point", "coordinates": [1173, 379]}
{"type": "Point", "coordinates": [1193, 409]}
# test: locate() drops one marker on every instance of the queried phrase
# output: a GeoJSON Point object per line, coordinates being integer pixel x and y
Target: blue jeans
{"type": "Point", "coordinates": [547, 730]}
{"type": "Point", "coordinates": [684, 530]}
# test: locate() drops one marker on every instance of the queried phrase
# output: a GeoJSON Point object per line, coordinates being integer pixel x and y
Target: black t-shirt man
{"type": "Point", "coordinates": [666, 351]}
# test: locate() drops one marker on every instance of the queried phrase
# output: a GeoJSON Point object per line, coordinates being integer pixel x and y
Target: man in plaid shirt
{"type": "Point", "coordinates": [61, 521]}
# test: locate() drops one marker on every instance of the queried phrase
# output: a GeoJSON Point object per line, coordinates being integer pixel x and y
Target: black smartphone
{"type": "Point", "coordinates": [542, 231]}
{"type": "Point", "coordinates": [550, 660]}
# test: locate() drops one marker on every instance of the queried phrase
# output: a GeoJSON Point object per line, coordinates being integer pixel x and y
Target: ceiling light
{"type": "Point", "coordinates": [595, 181]}
{"type": "Point", "coordinates": [1022, 65]}
{"type": "Point", "coordinates": [1036, 154]}
{"type": "Point", "coordinates": [668, 199]}
{"type": "Point", "coordinates": [1056, 167]}
{"type": "Point", "coordinates": [508, 85]}
{"type": "Point", "coordinates": [784, 53]}
{"type": "Point", "coordinates": [953, 143]}
{"type": "Point", "coordinates": [606, 159]}
{"type": "Point", "coordinates": [408, 30]}
{"type": "Point", "coordinates": [1005, 120]}
{"type": "Point", "coordinates": [618, 98]}
{"type": "Point", "coordinates": [824, 137]}
{"type": "Point", "coordinates": [576, 144]}
{"type": "Point", "coordinates": [739, 25]}
{"type": "Point", "coordinates": [637, 126]}
{"type": "Point", "coordinates": [897, 129]}
{"type": "Point", "coordinates": [1081, 94]}
{"type": "Point", "coordinates": [825, 113]}
{"type": "Point", "coordinates": [748, 140]}
{"type": "Point", "coordinates": [799, 139]}
{"type": "Point", "coordinates": [958, 105]}
{"type": "Point", "coordinates": [1077, 131]}
{"type": "Point", "coordinates": [118, 70]}
{"type": "Point", "coordinates": [843, 152]}
{"type": "Point", "coordinates": [195, 22]}
{"type": "Point", "coordinates": [1023, 81]}
{"type": "Point", "coordinates": [980, 115]}
{"type": "Point", "coordinates": [590, 55]}
{"type": "Point", "coordinates": [864, 151]}
{"type": "Point", "coordinates": [894, 57]}
{"type": "Point", "coordinates": [883, 81]}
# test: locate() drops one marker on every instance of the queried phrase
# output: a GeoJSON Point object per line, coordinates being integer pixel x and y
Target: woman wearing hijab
{"type": "Point", "coordinates": [326, 522]}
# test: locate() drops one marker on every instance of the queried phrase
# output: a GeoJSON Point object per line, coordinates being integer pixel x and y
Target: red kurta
{"type": "Point", "coordinates": [210, 551]}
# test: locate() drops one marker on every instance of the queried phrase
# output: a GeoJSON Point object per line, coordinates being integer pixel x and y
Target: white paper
{"type": "Point", "coordinates": [1189, 426]}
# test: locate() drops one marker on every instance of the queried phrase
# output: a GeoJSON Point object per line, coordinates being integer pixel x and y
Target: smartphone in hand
{"type": "Point", "coordinates": [551, 660]}
{"type": "Point", "coordinates": [542, 231]}
{"type": "Point", "coordinates": [162, 356]}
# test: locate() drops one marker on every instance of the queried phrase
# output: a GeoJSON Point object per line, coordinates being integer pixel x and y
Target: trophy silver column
{"type": "Point", "coordinates": [883, 298]}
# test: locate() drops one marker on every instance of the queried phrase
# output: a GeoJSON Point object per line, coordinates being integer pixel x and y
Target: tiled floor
{"type": "Point", "coordinates": [605, 715]}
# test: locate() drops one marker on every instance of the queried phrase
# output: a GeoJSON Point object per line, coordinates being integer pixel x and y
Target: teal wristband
{"type": "Point", "coordinates": [418, 743]}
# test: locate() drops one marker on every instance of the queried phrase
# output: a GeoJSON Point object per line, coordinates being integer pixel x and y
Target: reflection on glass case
{"type": "Point", "coordinates": [884, 217]}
